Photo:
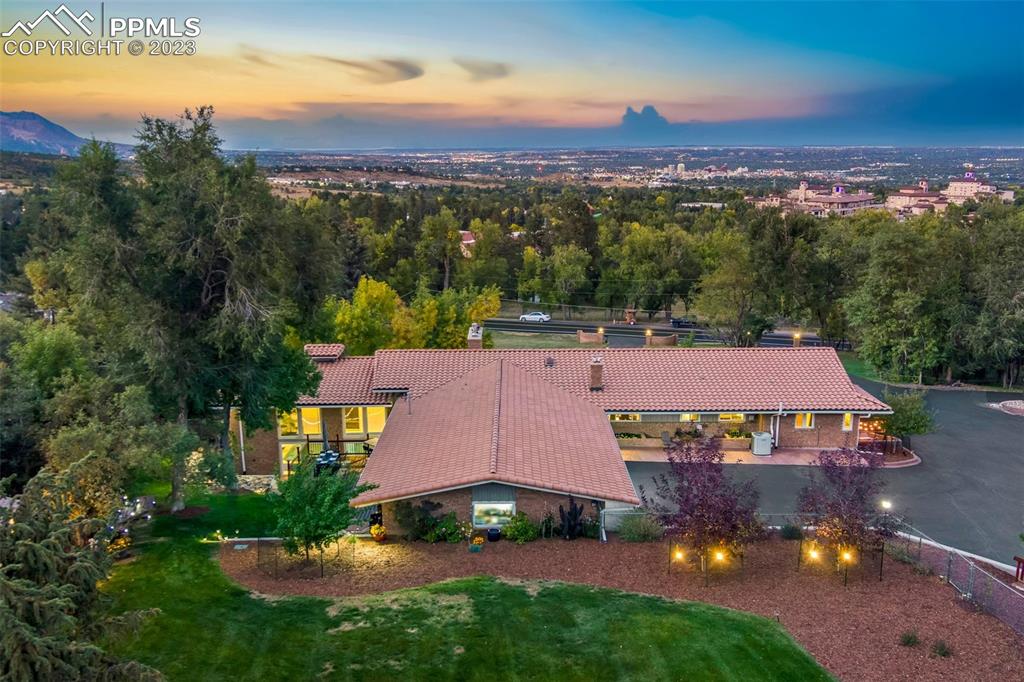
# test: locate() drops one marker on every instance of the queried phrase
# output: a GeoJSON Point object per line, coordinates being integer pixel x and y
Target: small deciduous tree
{"type": "Point", "coordinates": [910, 415]}
{"type": "Point", "coordinates": [313, 510]}
{"type": "Point", "coordinates": [699, 504]}
{"type": "Point", "coordinates": [839, 500]}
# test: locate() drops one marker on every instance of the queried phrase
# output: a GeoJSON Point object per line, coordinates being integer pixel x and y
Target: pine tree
{"type": "Point", "coordinates": [52, 613]}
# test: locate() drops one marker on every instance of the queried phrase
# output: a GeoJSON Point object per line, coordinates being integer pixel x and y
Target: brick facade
{"type": "Point", "coordinates": [827, 432]}
{"type": "Point", "coordinates": [534, 503]}
{"type": "Point", "coordinates": [261, 452]}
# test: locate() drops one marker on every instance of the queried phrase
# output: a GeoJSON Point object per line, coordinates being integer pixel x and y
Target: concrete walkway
{"type": "Point", "coordinates": [967, 492]}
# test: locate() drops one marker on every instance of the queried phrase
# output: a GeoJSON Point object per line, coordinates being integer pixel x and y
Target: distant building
{"type": "Point", "coordinates": [920, 199]}
{"type": "Point", "coordinates": [820, 201]}
{"type": "Point", "coordinates": [468, 239]}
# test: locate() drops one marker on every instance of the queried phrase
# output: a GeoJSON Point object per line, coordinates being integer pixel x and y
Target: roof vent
{"type": "Point", "coordinates": [475, 337]}
{"type": "Point", "coordinates": [549, 361]}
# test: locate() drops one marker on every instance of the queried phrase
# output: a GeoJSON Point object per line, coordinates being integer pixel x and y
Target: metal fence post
{"type": "Point", "coordinates": [970, 580]}
{"type": "Point", "coordinates": [949, 567]}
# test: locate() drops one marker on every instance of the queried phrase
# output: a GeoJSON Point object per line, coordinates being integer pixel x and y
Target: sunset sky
{"type": "Point", "coordinates": [295, 73]}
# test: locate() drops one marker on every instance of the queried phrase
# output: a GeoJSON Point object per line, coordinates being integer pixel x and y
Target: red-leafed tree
{"type": "Point", "coordinates": [840, 499]}
{"type": "Point", "coordinates": [698, 504]}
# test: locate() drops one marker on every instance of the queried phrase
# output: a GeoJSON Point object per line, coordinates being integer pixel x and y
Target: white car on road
{"type": "Point", "coordinates": [534, 317]}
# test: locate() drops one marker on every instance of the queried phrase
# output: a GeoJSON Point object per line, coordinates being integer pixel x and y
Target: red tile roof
{"type": "Point", "coordinates": [330, 351]}
{"type": "Point", "coordinates": [346, 381]}
{"type": "Point", "coordinates": [654, 379]}
{"type": "Point", "coordinates": [497, 423]}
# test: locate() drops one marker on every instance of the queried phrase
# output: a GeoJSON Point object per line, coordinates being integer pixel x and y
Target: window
{"type": "Point", "coordinates": [311, 421]}
{"type": "Point", "coordinates": [624, 417]}
{"type": "Point", "coordinates": [353, 420]}
{"type": "Point", "coordinates": [288, 423]}
{"type": "Point", "coordinates": [804, 420]}
{"type": "Point", "coordinates": [689, 417]}
{"type": "Point", "coordinates": [492, 514]}
{"type": "Point", "coordinates": [375, 418]}
{"type": "Point", "coordinates": [848, 421]}
{"type": "Point", "coordinates": [289, 457]}
{"type": "Point", "coordinates": [732, 417]}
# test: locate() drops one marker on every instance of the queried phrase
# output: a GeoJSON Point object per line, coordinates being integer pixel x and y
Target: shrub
{"type": "Point", "coordinates": [791, 532]}
{"type": "Point", "coordinates": [941, 649]}
{"type": "Point", "coordinates": [520, 529]}
{"type": "Point", "coordinates": [548, 527]}
{"type": "Point", "coordinates": [640, 528]}
{"type": "Point", "coordinates": [591, 528]}
{"type": "Point", "coordinates": [909, 638]}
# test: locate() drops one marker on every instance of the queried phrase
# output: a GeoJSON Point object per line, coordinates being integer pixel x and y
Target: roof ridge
{"type": "Point", "coordinates": [496, 418]}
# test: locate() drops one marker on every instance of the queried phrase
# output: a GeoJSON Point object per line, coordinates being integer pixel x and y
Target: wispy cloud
{"type": "Point", "coordinates": [480, 70]}
{"type": "Point", "coordinates": [255, 55]}
{"type": "Point", "coordinates": [377, 70]}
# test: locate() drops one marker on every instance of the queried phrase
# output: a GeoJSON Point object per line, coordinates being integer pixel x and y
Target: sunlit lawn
{"type": "Point", "coordinates": [857, 367]}
{"type": "Point", "coordinates": [528, 340]}
{"type": "Point", "coordinates": [471, 629]}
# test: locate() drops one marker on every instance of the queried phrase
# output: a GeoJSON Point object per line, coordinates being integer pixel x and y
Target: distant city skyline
{"type": "Point", "coordinates": [394, 74]}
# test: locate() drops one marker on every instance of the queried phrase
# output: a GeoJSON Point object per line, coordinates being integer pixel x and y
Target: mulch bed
{"type": "Point", "coordinates": [189, 512]}
{"type": "Point", "coordinates": [853, 631]}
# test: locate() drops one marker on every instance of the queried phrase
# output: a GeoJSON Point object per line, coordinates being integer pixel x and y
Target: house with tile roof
{"type": "Point", "coordinates": [489, 432]}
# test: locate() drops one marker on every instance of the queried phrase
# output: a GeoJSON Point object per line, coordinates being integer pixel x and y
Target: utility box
{"type": "Point", "coordinates": [761, 443]}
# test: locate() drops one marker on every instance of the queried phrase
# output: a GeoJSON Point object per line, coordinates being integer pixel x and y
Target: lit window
{"type": "Point", "coordinates": [804, 420]}
{"type": "Point", "coordinates": [848, 421]}
{"type": "Point", "coordinates": [689, 417]}
{"type": "Point", "coordinates": [353, 420]}
{"type": "Point", "coordinates": [732, 417]}
{"type": "Point", "coordinates": [624, 417]}
{"type": "Point", "coordinates": [375, 418]}
{"type": "Point", "coordinates": [311, 421]}
{"type": "Point", "coordinates": [288, 423]}
{"type": "Point", "coordinates": [289, 457]}
{"type": "Point", "coordinates": [492, 514]}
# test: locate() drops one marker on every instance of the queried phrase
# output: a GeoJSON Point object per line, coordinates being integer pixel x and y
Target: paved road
{"type": "Point", "coordinates": [967, 492]}
{"type": "Point", "coordinates": [620, 335]}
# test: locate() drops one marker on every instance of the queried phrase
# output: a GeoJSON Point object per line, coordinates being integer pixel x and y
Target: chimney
{"type": "Point", "coordinates": [475, 338]}
{"type": "Point", "coordinates": [596, 373]}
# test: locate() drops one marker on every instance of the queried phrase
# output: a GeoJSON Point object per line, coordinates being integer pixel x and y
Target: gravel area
{"type": "Point", "coordinates": [854, 631]}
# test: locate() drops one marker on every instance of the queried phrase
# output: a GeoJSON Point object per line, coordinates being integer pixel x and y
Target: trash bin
{"type": "Point", "coordinates": [761, 443]}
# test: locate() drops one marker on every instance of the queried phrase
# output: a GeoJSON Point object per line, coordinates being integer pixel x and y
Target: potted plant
{"type": "Point", "coordinates": [378, 532]}
{"type": "Point", "coordinates": [477, 544]}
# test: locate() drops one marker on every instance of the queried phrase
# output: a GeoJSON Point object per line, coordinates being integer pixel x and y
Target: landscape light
{"type": "Point", "coordinates": [679, 555]}
{"type": "Point", "coordinates": [886, 504]}
{"type": "Point", "coordinates": [648, 332]}
{"type": "Point", "coordinates": [600, 330]}
{"type": "Point", "coordinates": [813, 554]}
{"type": "Point", "coordinates": [847, 556]}
{"type": "Point", "coordinates": [719, 556]}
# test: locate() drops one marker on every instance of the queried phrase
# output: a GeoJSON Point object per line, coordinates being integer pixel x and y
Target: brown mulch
{"type": "Point", "coordinates": [190, 512]}
{"type": "Point", "coordinates": [853, 631]}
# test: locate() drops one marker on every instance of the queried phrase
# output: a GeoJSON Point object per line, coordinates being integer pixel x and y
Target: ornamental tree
{"type": "Point", "coordinates": [698, 504]}
{"type": "Point", "coordinates": [52, 613]}
{"type": "Point", "coordinates": [313, 510]}
{"type": "Point", "coordinates": [839, 500]}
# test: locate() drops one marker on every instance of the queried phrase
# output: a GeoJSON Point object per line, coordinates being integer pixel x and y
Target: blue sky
{"type": "Point", "coordinates": [348, 74]}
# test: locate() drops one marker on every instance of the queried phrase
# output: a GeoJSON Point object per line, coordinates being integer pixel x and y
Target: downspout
{"type": "Point", "coordinates": [241, 442]}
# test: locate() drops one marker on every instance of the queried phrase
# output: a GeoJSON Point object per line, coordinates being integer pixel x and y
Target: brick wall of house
{"type": "Point", "coordinates": [827, 432]}
{"type": "Point", "coordinates": [534, 503]}
{"type": "Point", "coordinates": [261, 453]}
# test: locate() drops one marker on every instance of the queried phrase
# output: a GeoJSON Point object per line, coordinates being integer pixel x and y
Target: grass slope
{"type": "Point", "coordinates": [538, 340]}
{"type": "Point", "coordinates": [471, 629]}
{"type": "Point", "coordinates": [857, 367]}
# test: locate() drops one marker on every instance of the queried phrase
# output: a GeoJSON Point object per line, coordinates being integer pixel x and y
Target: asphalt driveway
{"type": "Point", "coordinates": [968, 491]}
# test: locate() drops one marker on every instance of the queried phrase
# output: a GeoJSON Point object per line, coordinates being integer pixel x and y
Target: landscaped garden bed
{"type": "Point", "coordinates": [854, 631]}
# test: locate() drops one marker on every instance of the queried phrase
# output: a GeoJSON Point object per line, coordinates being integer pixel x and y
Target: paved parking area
{"type": "Point", "coordinates": [967, 492]}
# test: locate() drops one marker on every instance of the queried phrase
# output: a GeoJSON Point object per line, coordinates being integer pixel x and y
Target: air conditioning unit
{"type": "Point", "coordinates": [761, 443]}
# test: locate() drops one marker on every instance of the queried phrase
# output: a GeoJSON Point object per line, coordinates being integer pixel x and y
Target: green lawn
{"type": "Point", "coordinates": [856, 367]}
{"type": "Point", "coordinates": [527, 340]}
{"type": "Point", "coordinates": [471, 629]}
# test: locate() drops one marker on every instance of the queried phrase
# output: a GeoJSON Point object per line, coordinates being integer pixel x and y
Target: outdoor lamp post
{"type": "Point", "coordinates": [847, 557]}
{"type": "Point", "coordinates": [796, 339]}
